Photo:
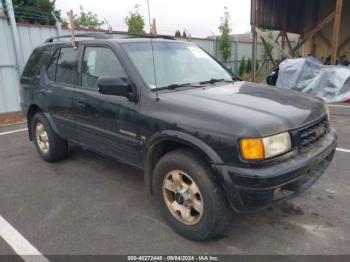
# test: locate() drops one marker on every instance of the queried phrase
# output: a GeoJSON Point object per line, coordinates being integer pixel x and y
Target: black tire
{"type": "Point", "coordinates": [58, 147]}
{"type": "Point", "coordinates": [216, 212]}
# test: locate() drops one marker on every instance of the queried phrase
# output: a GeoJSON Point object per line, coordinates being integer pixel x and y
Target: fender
{"type": "Point", "coordinates": [52, 123]}
{"type": "Point", "coordinates": [176, 136]}
{"type": "Point", "coordinates": [47, 116]}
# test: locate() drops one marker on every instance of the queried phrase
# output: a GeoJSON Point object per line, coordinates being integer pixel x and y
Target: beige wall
{"type": "Point", "coordinates": [326, 7]}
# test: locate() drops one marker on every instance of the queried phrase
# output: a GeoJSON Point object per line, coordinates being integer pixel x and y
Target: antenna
{"type": "Point", "coordinates": [149, 17]}
{"type": "Point", "coordinates": [154, 64]}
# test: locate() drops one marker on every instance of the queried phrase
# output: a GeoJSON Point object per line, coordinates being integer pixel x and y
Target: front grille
{"type": "Point", "coordinates": [313, 133]}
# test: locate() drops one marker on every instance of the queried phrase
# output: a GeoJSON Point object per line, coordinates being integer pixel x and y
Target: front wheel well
{"type": "Point", "coordinates": [159, 150]}
{"type": "Point", "coordinates": [33, 109]}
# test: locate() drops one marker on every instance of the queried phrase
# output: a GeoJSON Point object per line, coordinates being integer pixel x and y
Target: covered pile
{"type": "Point", "coordinates": [308, 75]}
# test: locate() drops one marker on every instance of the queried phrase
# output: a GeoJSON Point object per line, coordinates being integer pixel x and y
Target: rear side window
{"type": "Point", "coordinates": [34, 63]}
{"type": "Point", "coordinates": [51, 68]}
{"type": "Point", "coordinates": [99, 61]}
{"type": "Point", "coordinates": [66, 66]}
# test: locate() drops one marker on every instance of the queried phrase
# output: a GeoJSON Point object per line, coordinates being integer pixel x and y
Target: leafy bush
{"type": "Point", "coordinates": [135, 22]}
{"type": "Point", "coordinates": [35, 11]}
{"type": "Point", "coordinates": [225, 40]}
{"type": "Point", "coordinates": [248, 68]}
{"type": "Point", "coordinates": [87, 20]}
{"type": "Point", "coordinates": [242, 67]}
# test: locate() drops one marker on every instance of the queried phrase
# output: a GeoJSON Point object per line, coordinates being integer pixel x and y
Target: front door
{"type": "Point", "coordinates": [100, 119]}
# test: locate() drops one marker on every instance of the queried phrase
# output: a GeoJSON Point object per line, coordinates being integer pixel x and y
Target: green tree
{"type": "Point", "coordinates": [224, 39]}
{"type": "Point", "coordinates": [242, 67]}
{"type": "Point", "coordinates": [135, 22]}
{"type": "Point", "coordinates": [178, 33]}
{"type": "Point", "coordinates": [36, 11]}
{"type": "Point", "coordinates": [87, 20]}
{"type": "Point", "coordinates": [184, 35]}
{"type": "Point", "coordinates": [248, 67]}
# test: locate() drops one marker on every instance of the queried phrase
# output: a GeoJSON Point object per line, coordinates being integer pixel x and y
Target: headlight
{"type": "Point", "coordinates": [264, 148]}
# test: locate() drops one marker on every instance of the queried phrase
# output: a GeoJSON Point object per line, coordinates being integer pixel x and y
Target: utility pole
{"type": "Point", "coordinates": [19, 54]}
{"type": "Point", "coordinates": [336, 31]}
{"type": "Point", "coordinates": [58, 24]}
{"type": "Point", "coordinates": [153, 30]}
{"type": "Point", "coordinates": [254, 11]}
{"type": "Point", "coordinates": [216, 44]}
{"type": "Point", "coordinates": [236, 66]}
{"type": "Point", "coordinates": [110, 29]}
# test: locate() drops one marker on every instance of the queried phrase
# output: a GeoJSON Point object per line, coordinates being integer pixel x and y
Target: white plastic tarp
{"type": "Point", "coordinates": [308, 75]}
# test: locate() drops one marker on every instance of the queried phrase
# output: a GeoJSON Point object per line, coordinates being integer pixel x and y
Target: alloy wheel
{"type": "Point", "coordinates": [42, 138]}
{"type": "Point", "coordinates": [183, 197]}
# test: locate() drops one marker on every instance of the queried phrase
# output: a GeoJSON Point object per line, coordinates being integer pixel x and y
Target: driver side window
{"type": "Point", "coordinates": [97, 62]}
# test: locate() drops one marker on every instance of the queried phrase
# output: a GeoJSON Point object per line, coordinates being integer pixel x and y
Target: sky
{"type": "Point", "coordinates": [200, 18]}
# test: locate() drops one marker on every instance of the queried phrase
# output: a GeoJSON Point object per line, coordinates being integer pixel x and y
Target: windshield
{"type": "Point", "coordinates": [174, 63]}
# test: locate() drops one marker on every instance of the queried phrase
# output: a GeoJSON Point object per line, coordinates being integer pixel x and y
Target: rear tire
{"type": "Point", "coordinates": [179, 206]}
{"type": "Point", "coordinates": [49, 145]}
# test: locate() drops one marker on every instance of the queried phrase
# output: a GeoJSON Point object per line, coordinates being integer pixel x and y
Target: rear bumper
{"type": "Point", "coordinates": [252, 188]}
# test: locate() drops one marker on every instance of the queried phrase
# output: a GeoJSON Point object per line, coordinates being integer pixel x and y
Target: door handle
{"type": "Point", "coordinates": [45, 91]}
{"type": "Point", "coordinates": [81, 103]}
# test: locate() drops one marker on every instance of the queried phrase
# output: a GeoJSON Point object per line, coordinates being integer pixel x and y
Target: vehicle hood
{"type": "Point", "coordinates": [243, 107]}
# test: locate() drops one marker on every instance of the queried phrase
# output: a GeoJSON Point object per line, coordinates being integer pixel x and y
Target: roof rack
{"type": "Point", "coordinates": [94, 35]}
{"type": "Point", "coordinates": [106, 35]}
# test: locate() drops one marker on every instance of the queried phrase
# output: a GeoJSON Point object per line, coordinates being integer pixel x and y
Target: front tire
{"type": "Point", "coordinates": [49, 145]}
{"type": "Point", "coordinates": [189, 196]}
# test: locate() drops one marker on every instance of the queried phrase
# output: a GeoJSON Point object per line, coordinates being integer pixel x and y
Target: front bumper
{"type": "Point", "coordinates": [249, 188]}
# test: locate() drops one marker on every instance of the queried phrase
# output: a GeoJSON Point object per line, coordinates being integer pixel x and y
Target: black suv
{"type": "Point", "coordinates": [206, 141]}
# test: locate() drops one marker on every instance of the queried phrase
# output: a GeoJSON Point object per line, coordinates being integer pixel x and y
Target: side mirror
{"type": "Point", "coordinates": [114, 86]}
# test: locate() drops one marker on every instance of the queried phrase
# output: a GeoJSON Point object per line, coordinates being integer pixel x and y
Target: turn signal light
{"type": "Point", "coordinates": [252, 149]}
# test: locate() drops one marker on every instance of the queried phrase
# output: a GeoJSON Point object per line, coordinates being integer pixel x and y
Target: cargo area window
{"type": "Point", "coordinates": [34, 63]}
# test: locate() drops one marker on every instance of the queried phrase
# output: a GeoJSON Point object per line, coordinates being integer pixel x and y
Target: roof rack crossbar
{"type": "Point", "coordinates": [152, 36]}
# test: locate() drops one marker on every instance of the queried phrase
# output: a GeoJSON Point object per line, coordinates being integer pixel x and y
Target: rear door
{"type": "Point", "coordinates": [100, 119]}
{"type": "Point", "coordinates": [57, 92]}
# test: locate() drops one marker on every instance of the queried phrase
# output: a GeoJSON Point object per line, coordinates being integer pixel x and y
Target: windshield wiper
{"type": "Point", "coordinates": [214, 80]}
{"type": "Point", "coordinates": [172, 86]}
